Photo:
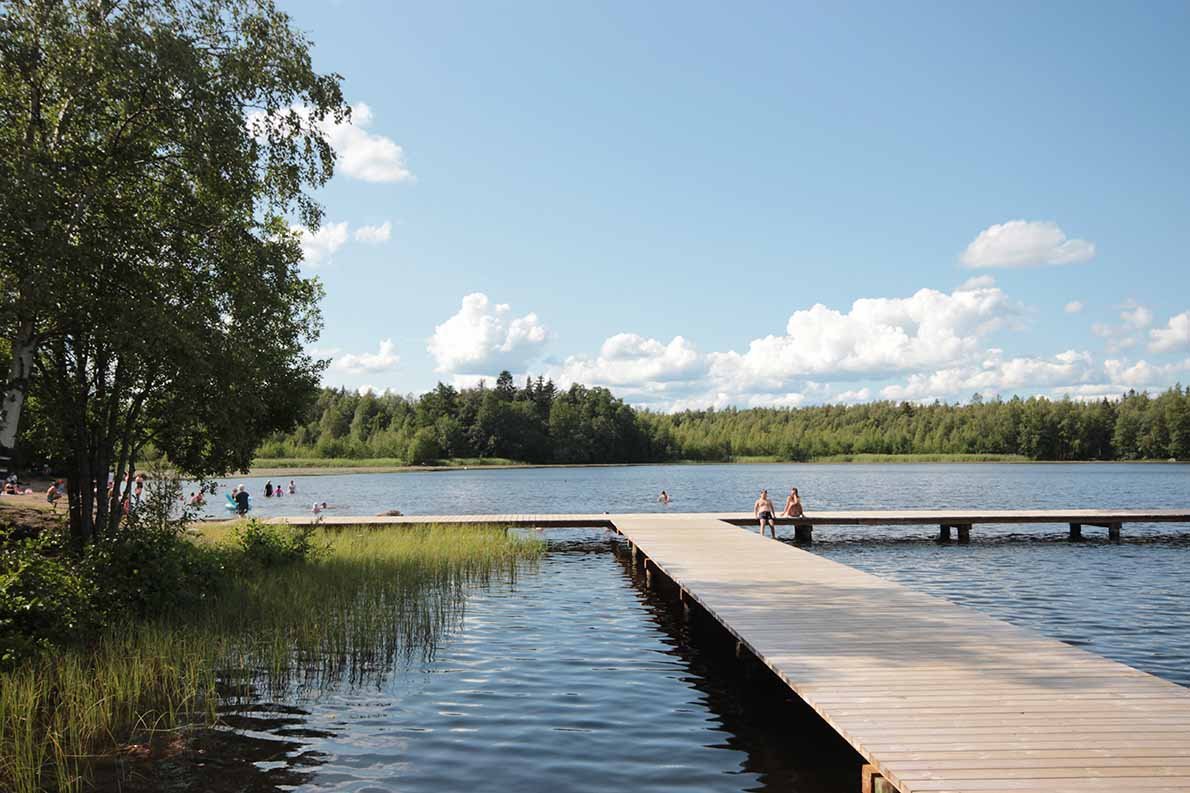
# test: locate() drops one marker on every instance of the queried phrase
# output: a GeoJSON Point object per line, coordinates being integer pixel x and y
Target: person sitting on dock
{"type": "Point", "coordinates": [793, 505]}
{"type": "Point", "coordinates": [763, 509]}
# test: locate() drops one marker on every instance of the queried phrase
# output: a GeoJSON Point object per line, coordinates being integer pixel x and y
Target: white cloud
{"type": "Point", "coordinates": [365, 155]}
{"type": "Point", "coordinates": [318, 247]}
{"type": "Point", "coordinates": [852, 397]}
{"type": "Point", "coordinates": [1136, 315]}
{"type": "Point", "coordinates": [876, 336]}
{"type": "Point", "coordinates": [994, 374]}
{"type": "Point", "coordinates": [369, 362]}
{"type": "Point", "coordinates": [1174, 336]}
{"type": "Point", "coordinates": [1090, 392]}
{"type": "Point", "coordinates": [977, 282]}
{"type": "Point", "coordinates": [360, 154]}
{"type": "Point", "coordinates": [1025, 243]}
{"type": "Point", "coordinates": [374, 234]}
{"type": "Point", "coordinates": [483, 338]}
{"type": "Point", "coordinates": [1142, 373]}
{"type": "Point", "coordinates": [627, 359]}
{"type": "Point", "coordinates": [1074, 307]}
{"type": "Point", "coordinates": [373, 390]}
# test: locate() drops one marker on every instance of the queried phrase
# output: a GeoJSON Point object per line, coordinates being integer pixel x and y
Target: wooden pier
{"type": "Point", "coordinates": [961, 521]}
{"type": "Point", "coordinates": [934, 696]}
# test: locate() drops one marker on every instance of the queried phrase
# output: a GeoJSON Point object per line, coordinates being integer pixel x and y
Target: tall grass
{"type": "Point", "coordinates": [373, 600]}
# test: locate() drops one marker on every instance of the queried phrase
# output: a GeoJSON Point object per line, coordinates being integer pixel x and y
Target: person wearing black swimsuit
{"type": "Point", "coordinates": [763, 509]}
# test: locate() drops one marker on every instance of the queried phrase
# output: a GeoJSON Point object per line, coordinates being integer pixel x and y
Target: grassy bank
{"type": "Point", "coordinates": [364, 600]}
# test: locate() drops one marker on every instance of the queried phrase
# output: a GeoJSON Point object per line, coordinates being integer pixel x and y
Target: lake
{"type": "Point", "coordinates": [573, 676]}
{"type": "Point", "coordinates": [727, 488]}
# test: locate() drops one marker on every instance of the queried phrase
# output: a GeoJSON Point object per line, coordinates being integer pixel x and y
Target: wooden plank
{"type": "Point", "coordinates": [935, 696]}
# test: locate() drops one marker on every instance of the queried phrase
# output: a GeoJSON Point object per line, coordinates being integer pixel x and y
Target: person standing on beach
{"type": "Point", "coordinates": [763, 509]}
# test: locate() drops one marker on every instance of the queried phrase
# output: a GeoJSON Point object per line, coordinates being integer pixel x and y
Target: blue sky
{"type": "Point", "coordinates": [684, 202]}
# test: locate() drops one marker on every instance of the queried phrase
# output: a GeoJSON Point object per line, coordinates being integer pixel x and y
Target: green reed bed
{"type": "Point", "coordinates": [366, 601]}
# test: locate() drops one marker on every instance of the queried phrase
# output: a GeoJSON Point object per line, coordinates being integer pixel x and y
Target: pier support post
{"type": "Point", "coordinates": [648, 574]}
{"type": "Point", "coordinates": [964, 533]}
{"type": "Point", "coordinates": [1113, 531]}
{"type": "Point", "coordinates": [803, 533]}
{"type": "Point", "coordinates": [944, 533]}
{"type": "Point", "coordinates": [1076, 531]}
{"type": "Point", "coordinates": [871, 781]}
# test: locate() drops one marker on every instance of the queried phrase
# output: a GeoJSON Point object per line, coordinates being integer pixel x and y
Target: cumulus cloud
{"type": "Point", "coordinates": [872, 338]}
{"type": "Point", "coordinates": [977, 282]}
{"type": "Point", "coordinates": [1142, 373]}
{"type": "Point", "coordinates": [627, 359]}
{"type": "Point", "coordinates": [1174, 336]}
{"type": "Point", "coordinates": [876, 336]}
{"type": "Point", "coordinates": [1136, 315]}
{"type": "Point", "coordinates": [359, 153]}
{"type": "Point", "coordinates": [374, 234]}
{"type": "Point", "coordinates": [994, 374]}
{"type": "Point", "coordinates": [382, 360]}
{"type": "Point", "coordinates": [365, 155]}
{"type": "Point", "coordinates": [1025, 243]}
{"type": "Point", "coordinates": [1074, 307]}
{"type": "Point", "coordinates": [319, 246]}
{"type": "Point", "coordinates": [853, 396]}
{"type": "Point", "coordinates": [484, 338]}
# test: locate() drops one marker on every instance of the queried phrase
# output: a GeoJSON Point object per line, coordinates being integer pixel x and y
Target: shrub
{"type": "Point", "coordinates": [45, 600]}
{"type": "Point", "coordinates": [269, 545]}
{"type": "Point", "coordinates": [147, 566]}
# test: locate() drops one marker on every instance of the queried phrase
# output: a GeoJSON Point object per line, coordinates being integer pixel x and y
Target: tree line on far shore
{"type": "Point", "coordinates": [540, 423]}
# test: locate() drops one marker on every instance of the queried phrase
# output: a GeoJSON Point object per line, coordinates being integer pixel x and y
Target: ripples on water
{"type": "Point", "coordinates": [574, 678]}
{"type": "Point", "coordinates": [577, 679]}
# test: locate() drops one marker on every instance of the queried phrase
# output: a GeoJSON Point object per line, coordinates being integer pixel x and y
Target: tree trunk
{"type": "Point", "coordinates": [24, 347]}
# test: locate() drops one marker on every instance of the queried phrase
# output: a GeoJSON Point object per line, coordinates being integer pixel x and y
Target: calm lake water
{"type": "Point", "coordinates": [573, 677]}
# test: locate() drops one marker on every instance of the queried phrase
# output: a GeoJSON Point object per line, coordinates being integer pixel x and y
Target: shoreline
{"type": "Point", "coordinates": [330, 470]}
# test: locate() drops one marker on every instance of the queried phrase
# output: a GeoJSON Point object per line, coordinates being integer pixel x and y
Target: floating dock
{"type": "Point", "coordinates": [934, 696]}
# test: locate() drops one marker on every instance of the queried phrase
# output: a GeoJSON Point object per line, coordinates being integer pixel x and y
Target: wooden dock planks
{"type": "Point", "coordinates": [936, 696]}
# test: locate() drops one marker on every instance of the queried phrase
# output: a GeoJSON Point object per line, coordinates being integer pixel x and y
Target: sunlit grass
{"type": "Point", "coordinates": [372, 600]}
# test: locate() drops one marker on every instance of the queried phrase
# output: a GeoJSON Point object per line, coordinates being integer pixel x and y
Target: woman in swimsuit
{"type": "Point", "coordinates": [793, 505]}
{"type": "Point", "coordinates": [763, 510]}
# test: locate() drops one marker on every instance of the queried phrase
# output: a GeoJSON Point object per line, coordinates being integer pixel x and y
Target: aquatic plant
{"type": "Point", "coordinates": [350, 617]}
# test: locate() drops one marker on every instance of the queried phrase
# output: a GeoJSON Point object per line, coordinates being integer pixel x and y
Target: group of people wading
{"type": "Point", "coordinates": [763, 509]}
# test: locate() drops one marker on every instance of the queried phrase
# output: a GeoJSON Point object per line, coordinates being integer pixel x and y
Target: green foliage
{"type": "Point", "coordinates": [273, 545]}
{"type": "Point", "coordinates": [151, 158]}
{"type": "Point", "coordinates": [344, 618]}
{"type": "Point", "coordinates": [44, 602]}
{"type": "Point", "coordinates": [539, 424]}
{"type": "Point", "coordinates": [535, 423]}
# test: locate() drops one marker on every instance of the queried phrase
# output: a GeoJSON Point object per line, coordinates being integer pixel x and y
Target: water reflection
{"type": "Point", "coordinates": [569, 677]}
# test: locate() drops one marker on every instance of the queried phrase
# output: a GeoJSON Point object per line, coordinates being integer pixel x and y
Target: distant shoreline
{"type": "Point", "coordinates": [327, 467]}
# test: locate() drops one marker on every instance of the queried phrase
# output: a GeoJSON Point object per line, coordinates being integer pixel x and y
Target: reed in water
{"type": "Point", "coordinates": [365, 601]}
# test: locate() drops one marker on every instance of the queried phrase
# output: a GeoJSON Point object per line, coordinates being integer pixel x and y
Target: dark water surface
{"type": "Point", "coordinates": [574, 677]}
